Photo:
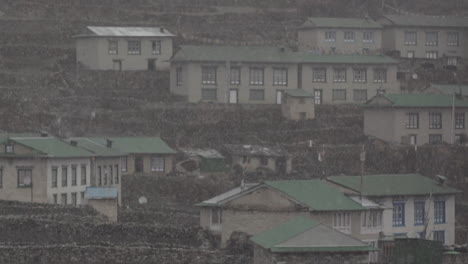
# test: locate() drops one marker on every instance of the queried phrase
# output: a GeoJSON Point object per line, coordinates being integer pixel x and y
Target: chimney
{"type": "Point", "coordinates": [73, 143]}
{"type": "Point", "coordinates": [161, 29]}
{"type": "Point", "coordinates": [441, 180]}
{"type": "Point", "coordinates": [109, 143]}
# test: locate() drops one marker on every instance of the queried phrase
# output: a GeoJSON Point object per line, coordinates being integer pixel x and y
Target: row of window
{"type": "Point", "coordinates": [435, 120]}
{"type": "Point", "coordinates": [134, 47]}
{"type": "Point", "coordinates": [436, 139]}
{"type": "Point", "coordinates": [24, 177]}
{"type": "Point", "coordinates": [256, 76]}
{"type": "Point", "coordinates": [349, 36]}
{"type": "Point", "coordinates": [419, 213]}
{"type": "Point", "coordinates": [339, 75]}
{"type": "Point", "coordinates": [64, 176]}
{"type": "Point", "coordinates": [432, 38]}
{"type": "Point", "coordinates": [106, 175]}
{"type": "Point", "coordinates": [64, 198]}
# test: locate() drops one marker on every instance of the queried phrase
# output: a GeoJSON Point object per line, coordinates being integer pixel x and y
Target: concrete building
{"type": "Point", "coordinates": [124, 48]}
{"type": "Point", "coordinates": [298, 105]}
{"type": "Point", "coordinates": [333, 35]}
{"type": "Point", "coordinates": [426, 37]}
{"type": "Point", "coordinates": [415, 206]}
{"type": "Point", "coordinates": [416, 119]}
{"type": "Point", "coordinates": [303, 241]}
{"type": "Point", "coordinates": [260, 75]}
{"type": "Point", "coordinates": [44, 170]}
{"type": "Point", "coordinates": [207, 161]}
{"type": "Point", "coordinates": [255, 208]}
{"type": "Point", "coordinates": [253, 157]}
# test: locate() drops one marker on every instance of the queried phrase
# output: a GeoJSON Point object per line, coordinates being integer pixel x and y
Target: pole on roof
{"type": "Point", "coordinates": [362, 158]}
{"type": "Point", "coordinates": [453, 118]}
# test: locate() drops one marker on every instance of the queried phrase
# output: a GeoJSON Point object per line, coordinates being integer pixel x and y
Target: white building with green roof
{"type": "Point", "coordinates": [417, 119]}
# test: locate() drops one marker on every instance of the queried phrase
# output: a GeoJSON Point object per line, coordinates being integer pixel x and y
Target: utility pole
{"type": "Point", "coordinates": [362, 157]}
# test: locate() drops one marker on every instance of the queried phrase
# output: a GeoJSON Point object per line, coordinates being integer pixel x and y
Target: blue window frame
{"type": "Point", "coordinates": [439, 236]}
{"type": "Point", "coordinates": [439, 212]}
{"type": "Point", "coordinates": [419, 213]}
{"type": "Point", "coordinates": [398, 213]}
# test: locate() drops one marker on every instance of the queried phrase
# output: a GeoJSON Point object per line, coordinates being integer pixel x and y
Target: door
{"type": "Point", "coordinates": [151, 64]}
{"type": "Point", "coordinates": [317, 97]}
{"type": "Point", "coordinates": [139, 164]}
{"type": "Point", "coordinates": [117, 65]}
{"type": "Point", "coordinates": [233, 96]}
{"type": "Point", "coordinates": [279, 97]}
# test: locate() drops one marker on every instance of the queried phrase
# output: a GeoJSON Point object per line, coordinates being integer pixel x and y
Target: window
{"type": "Point", "coordinates": [460, 139]}
{"type": "Point", "coordinates": [235, 76]}
{"type": "Point", "coordinates": [54, 179]}
{"type": "Point", "coordinates": [111, 174]}
{"type": "Point", "coordinates": [435, 120]}
{"type": "Point", "coordinates": [263, 161]}
{"type": "Point", "coordinates": [411, 37]}
{"type": "Point", "coordinates": [453, 39]}
{"type": "Point", "coordinates": [178, 77]}
{"type": "Point", "coordinates": [419, 213]}
{"type": "Point", "coordinates": [339, 75]}
{"type": "Point", "coordinates": [342, 222]}
{"type": "Point", "coordinates": [338, 94]}
{"type": "Point", "coordinates": [113, 47]}
{"type": "Point", "coordinates": [459, 120]}
{"type": "Point", "coordinates": [134, 47]}
{"type": "Point", "coordinates": [99, 176]}
{"type": "Point", "coordinates": [64, 199]}
{"type": "Point", "coordinates": [208, 94]}
{"type": "Point", "coordinates": [9, 148]}
{"type": "Point", "coordinates": [116, 174]}
{"type": "Point", "coordinates": [330, 36]}
{"type": "Point", "coordinates": [74, 199]}
{"type": "Point", "coordinates": [360, 95]}
{"type": "Point", "coordinates": [410, 54]}
{"type": "Point", "coordinates": [106, 173]}
{"type": "Point", "coordinates": [54, 197]}
{"type": "Point", "coordinates": [64, 176]}
{"type": "Point", "coordinates": [157, 163]}
{"type": "Point", "coordinates": [280, 77]}
{"type": "Point", "coordinates": [365, 50]}
{"type": "Point", "coordinates": [317, 96]}
{"type": "Point", "coordinates": [349, 36]}
{"type": "Point", "coordinates": [431, 55]}
{"type": "Point", "coordinates": [371, 219]}
{"type": "Point", "coordinates": [257, 95]}
{"type": "Point", "coordinates": [439, 236]}
{"type": "Point", "coordinates": [319, 75]}
{"type": "Point", "coordinates": [439, 212]}
{"type": "Point", "coordinates": [74, 176]}
{"type": "Point", "coordinates": [413, 121]}
{"type": "Point", "coordinates": [398, 214]}
{"type": "Point", "coordinates": [380, 75]}
{"type": "Point", "coordinates": [123, 164]}
{"type": "Point", "coordinates": [432, 38]}
{"type": "Point", "coordinates": [208, 75]}
{"type": "Point", "coordinates": [422, 235]}
{"type": "Point", "coordinates": [256, 76]}
{"type": "Point", "coordinates": [156, 47]}
{"type": "Point", "coordinates": [82, 194]}
{"type": "Point", "coordinates": [435, 138]}
{"type": "Point", "coordinates": [368, 36]}
{"type": "Point", "coordinates": [83, 175]}
{"type": "Point", "coordinates": [453, 61]}
{"type": "Point", "coordinates": [216, 216]}
{"type": "Point", "coordinates": [413, 139]}
{"type": "Point", "coordinates": [380, 91]}
{"type": "Point", "coordinates": [360, 75]}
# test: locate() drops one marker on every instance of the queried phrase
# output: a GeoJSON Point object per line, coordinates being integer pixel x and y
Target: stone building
{"type": "Point", "coordinates": [416, 119]}
{"type": "Point", "coordinates": [124, 48]}
{"type": "Point", "coordinates": [298, 105]}
{"type": "Point", "coordinates": [303, 241]}
{"type": "Point", "coordinates": [333, 35]}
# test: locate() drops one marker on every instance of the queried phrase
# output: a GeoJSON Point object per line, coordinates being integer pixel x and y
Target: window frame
{"type": "Point", "coordinates": [161, 161]}
{"type": "Point", "coordinates": [410, 41]}
{"type": "Point", "coordinates": [117, 174]}
{"type": "Point", "coordinates": [74, 199]}
{"type": "Point", "coordinates": [433, 136]}
{"type": "Point", "coordinates": [334, 97]}
{"type": "Point", "coordinates": [280, 76]}
{"type": "Point", "coordinates": [124, 161]}
{"type": "Point", "coordinates": [110, 47]}
{"type": "Point", "coordinates": [257, 76]}
{"type": "Point", "coordinates": [74, 175]}
{"type": "Point", "coordinates": [318, 98]}
{"type": "Point", "coordinates": [62, 200]}
{"type": "Point", "coordinates": [358, 77]}
{"type": "Point", "coordinates": [432, 42]}
{"type": "Point", "coordinates": [337, 72]}
{"type": "Point", "coordinates": [235, 75]}
{"type": "Point", "coordinates": [218, 212]}
{"type": "Point", "coordinates": [254, 98]}
{"type": "Point", "coordinates": [435, 120]}
{"type": "Point", "coordinates": [440, 234]}
{"type": "Point", "coordinates": [432, 54]}
{"type": "Point", "coordinates": [316, 76]}
{"type": "Point", "coordinates": [460, 120]}
{"type": "Point", "coordinates": [357, 92]}
{"type": "Point", "coordinates": [369, 38]}
{"type": "Point", "coordinates": [209, 94]}
{"type": "Point", "coordinates": [398, 220]}
{"type": "Point", "coordinates": [9, 148]}
{"type": "Point", "coordinates": [413, 120]}
{"type": "Point", "coordinates": [440, 212]}
{"type": "Point", "coordinates": [419, 215]}
{"type": "Point", "coordinates": [347, 35]}
{"type": "Point", "coordinates": [155, 47]}
{"type": "Point", "coordinates": [54, 177]}
{"type": "Point", "coordinates": [456, 41]}
{"type": "Point", "coordinates": [64, 180]}
{"type": "Point", "coordinates": [84, 177]}
{"type": "Point", "coordinates": [342, 221]}
{"type": "Point", "coordinates": [330, 36]}
{"type": "Point", "coordinates": [209, 75]}
{"type": "Point", "coordinates": [380, 75]}
{"type": "Point", "coordinates": [179, 79]}
{"type": "Point", "coordinates": [133, 47]}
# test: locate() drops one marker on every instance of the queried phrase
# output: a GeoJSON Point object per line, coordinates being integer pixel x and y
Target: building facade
{"type": "Point", "coordinates": [124, 48]}
{"type": "Point", "coordinates": [328, 35]}
{"type": "Point", "coordinates": [416, 119]}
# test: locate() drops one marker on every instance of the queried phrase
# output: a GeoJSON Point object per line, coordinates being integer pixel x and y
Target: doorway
{"type": "Point", "coordinates": [151, 64]}
{"type": "Point", "coordinates": [139, 164]}
{"type": "Point", "coordinates": [233, 96]}
{"type": "Point", "coordinates": [117, 65]}
{"type": "Point", "coordinates": [279, 96]}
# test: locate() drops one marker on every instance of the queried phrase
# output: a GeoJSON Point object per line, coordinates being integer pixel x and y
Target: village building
{"type": "Point", "coordinates": [253, 157]}
{"type": "Point", "coordinates": [303, 240]}
{"type": "Point", "coordinates": [426, 37]}
{"type": "Point", "coordinates": [255, 208]}
{"type": "Point", "coordinates": [105, 200]}
{"type": "Point", "coordinates": [207, 161]}
{"type": "Point", "coordinates": [414, 206]}
{"type": "Point", "coordinates": [448, 89]}
{"type": "Point", "coordinates": [334, 35]}
{"type": "Point", "coordinates": [261, 75]}
{"type": "Point", "coordinates": [416, 119]}
{"type": "Point", "coordinates": [124, 48]}
{"type": "Point", "coordinates": [43, 169]}
{"type": "Point", "coordinates": [148, 155]}
{"type": "Point", "coordinates": [298, 105]}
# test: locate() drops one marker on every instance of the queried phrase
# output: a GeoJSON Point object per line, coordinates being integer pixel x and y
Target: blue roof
{"type": "Point", "coordinates": [101, 193]}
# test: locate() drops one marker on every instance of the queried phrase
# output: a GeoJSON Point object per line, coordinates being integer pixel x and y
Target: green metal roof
{"type": "Point", "coordinates": [143, 145]}
{"type": "Point", "coordinates": [52, 147]}
{"type": "Point", "coordinates": [420, 100]}
{"type": "Point", "coordinates": [393, 184]}
{"type": "Point", "coordinates": [316, 194]}
{"type": "Point", "coordinates": [337, 22]}
{"type": "Point", "coordinates": [427, 21]}
{"type": "Point", "coordinates": [303, 234]}
{"type": "Point", "coordinates": [257, 54]}
{"type": "Point", "coordinates": [97, 148]}
{"type": "Point", "coordinates": [451, 88]}
{"type": "Point", "coordinates": [297, 93]}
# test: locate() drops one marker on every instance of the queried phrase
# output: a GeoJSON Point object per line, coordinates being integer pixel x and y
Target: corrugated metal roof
{"type": "Point", "coordinates": [416, 100]}
{"type": "Point", "coordinates": [451, 88]}
{"type": "Point", "coordinates": [338, 22]}
{"type": "Point", "coordinates": [215, 201]}
{"type": "Point", "coordinates": [141, 145]}
{"type": "Point", "coordinates": [101, 193]}
{"type": "Point", "coordinates": [365, 202]}
{"type": "Point", "coordinates": [255, 150]}
{"type": "Point", "coordinates": [96, 148]}
{"type": "Point", "coordinates": [52, 147]}
{"type": "Point", "coordinates": [130, 31]}
{"type": "Point", "coordinates": [297, 93]}
{"type": "Point", "coordinates": [427, 21]}
{"type": "Point", "coordinates": [205, 153]}
{"type": "Point", "coordinates": [393, 184]}
{"type": "Point", "coordinates": [303, 234]}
